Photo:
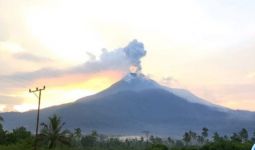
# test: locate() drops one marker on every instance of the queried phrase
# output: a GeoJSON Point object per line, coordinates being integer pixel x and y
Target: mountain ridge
{"type": "Point", "coordinates": [137, 103]}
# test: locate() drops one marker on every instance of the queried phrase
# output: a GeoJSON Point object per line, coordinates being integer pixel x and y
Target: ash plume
{"type": "Point", "coordinates": [134, 52]}
{"type": "Point", "coordinates": [125, 59]}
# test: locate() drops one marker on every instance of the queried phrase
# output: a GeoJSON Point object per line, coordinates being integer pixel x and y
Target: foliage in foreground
{"type": "Point", "coordinates": [54, 136]}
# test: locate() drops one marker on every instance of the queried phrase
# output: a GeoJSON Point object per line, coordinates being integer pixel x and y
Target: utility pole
{"type": "Point", "coordinates": [38, 111]}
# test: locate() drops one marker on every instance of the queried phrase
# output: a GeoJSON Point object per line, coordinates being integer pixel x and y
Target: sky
{"type": "Point", "coordinates": [75, 48]}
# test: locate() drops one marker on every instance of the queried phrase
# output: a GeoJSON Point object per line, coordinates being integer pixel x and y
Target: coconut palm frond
{"type": "Point", "coordinates": [53, 132]}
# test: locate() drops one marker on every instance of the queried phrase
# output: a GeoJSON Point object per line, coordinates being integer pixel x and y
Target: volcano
{"type": "Point", "coordinates": [137, 103]}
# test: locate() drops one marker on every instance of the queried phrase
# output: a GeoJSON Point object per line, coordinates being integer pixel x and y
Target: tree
{"type": "Point", "coordinates": [1, 120]}
{"type": "Point", "coordinates": [147, 134]}
{"type": "Point", "coordinates": [53, 133]}
{"type": "Point", "coordinates": [2, 132]}
{"type": "Point", "coordinates": [77, 132]}
{"type": "Point", "coordinates": [205, 132]}
{"type": "Point", "coordinates": [216, 137]}
{"type": "Point", "coordinates": [193, 134]}
{"type": "Point", "coordinates": [157, 147]}
{"type": "Point", "coordinates": [243, 135]}
{"type": "Point", "coordinates": [191, 138]}
{"type": "Point", "coordinates": [236, 137]}
{"type": "Point", "coordinates": [200, 139]}
{"type": "Point", "coordinates": [253, 137]}
{"type": "Point", "coordinates": [179, 143]}
{"type": "Point", "coordinates": [186, 138]}
{"type": "Point", "coordinates": [76, 137]}
{"type": "Point", "coordinates": [21, 133]}
{"type": "Point", "coordinates": [2, 137]}
{"type": "Point", "coordinates": [94, 133]}
{"type": "Point", "coordinates": [156, 140]}
{"type": "Point", "coordinates": [170, 140]}
{"type": "Point", "coordinates": [89, 140]}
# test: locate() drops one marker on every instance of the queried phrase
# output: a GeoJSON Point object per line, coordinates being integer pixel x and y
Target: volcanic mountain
{"type": "Point", "coordinates": [137, 103]}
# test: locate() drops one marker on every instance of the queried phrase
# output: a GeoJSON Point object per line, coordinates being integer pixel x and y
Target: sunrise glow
{"type": "Point", "coordinates": [72, 48]}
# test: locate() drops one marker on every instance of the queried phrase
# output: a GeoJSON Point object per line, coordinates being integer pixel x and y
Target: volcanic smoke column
{"type": "Point", "coordinates": [134, 52]}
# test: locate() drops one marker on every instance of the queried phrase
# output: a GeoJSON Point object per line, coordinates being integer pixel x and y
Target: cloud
{"type": "Point", "coordinates": [228, 92]}
{"type": "Point", "coordinates": [10, 100]}
{"type": "Point", "coordinates": [15, 58]}
{"type": "Point", "coordinates": [245, 88]}
{"type": "Point", "coordinates": [91, 56]}
{"type": "Point", "coordinates": [23, 78]}
{"type": "Point", "coordinates": [119, 59]}
{"type": "Point", "coordinates": [30, 57]}
{"type": "Point", "coordinates": [9, 108]}
{"type": "Point", "coordinates": [168, 81]}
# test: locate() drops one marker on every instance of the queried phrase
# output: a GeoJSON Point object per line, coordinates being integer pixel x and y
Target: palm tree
{"type": "Point", "coordinates": [244, 135]}
{"type": "Point", "coordinates": [76, 137]}
{"type": "Point", "coordinates": [205, 132]}
{"type": "Point", "coordinates": [2, 132]}
{"type": "Point", "coordinates": [77, 132]}
{"type": "Point", "coordinates": [53, 132]}
{"type": "Point", "coordinates": [186, 138]}
{"type": "Point", "coordinates": [1, 120]}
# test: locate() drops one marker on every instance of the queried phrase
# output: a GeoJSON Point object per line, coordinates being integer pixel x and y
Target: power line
{"type": "Point", "coordinates": [38, 111]}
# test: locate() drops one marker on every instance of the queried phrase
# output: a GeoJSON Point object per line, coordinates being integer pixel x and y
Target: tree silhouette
{"type": "Point", "coordinates": [53, 133]}
{"type": "Point", "coordinates": [253, 137]}
{"type": "Point", "coordinates": [216, 137]}
{"type": "Point", "coordinates": [1, 126]}
{"type": "Point", "coordinates": [244, 135]}
{"type": "Point", "coordinates": [157, 147]}
{"type": "Point", "coordinates": [205, 132]}
{"type": "Point", "coordinates": [76, 137]}
{"type": "Point", "coordinates": [2, 132]}
{"type": "Point", "coordinates": [21, 133]}
{"type": "Point", "coordinates": [147, 134]}
{"type": "Point", "coordinates": [89, 140]}
{"type": "Point", "coordinates": [236, 137]}
{"type": "Point", "coordinates": [1, 120]}
{"type": "Point", "coordinates": [186, 138]}
{"type": "Point", "coordinates": [77, 132]}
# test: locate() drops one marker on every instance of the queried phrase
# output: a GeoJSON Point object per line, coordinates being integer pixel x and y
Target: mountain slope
{"type": "Point", "coordinates": [135, 104]}
{"type": "Point", "coordinates": [139, 82]}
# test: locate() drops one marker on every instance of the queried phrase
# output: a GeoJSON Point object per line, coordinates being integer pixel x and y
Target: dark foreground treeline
{"type": "Point", "coordinates": [53, 136]}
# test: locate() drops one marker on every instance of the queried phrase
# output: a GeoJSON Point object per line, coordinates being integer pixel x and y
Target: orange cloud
{"type": "Point", "coordinates": [67, 88]}
{"type": "Point", "coordinates": [91, 81]}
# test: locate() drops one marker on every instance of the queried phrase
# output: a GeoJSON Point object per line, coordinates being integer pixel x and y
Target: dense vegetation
{"type": "Point", "coordinates": [54, 136]}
